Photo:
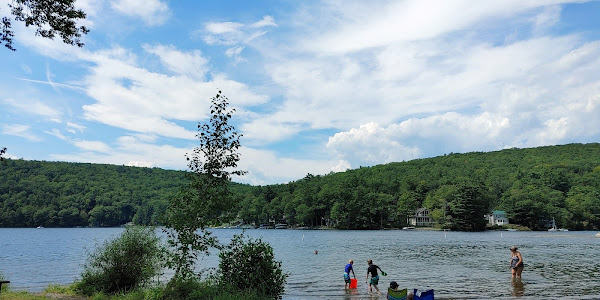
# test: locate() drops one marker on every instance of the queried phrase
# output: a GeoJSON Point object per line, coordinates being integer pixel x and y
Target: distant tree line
{"type": "Point", "coordinates": [60, 194]}
{"type": "Point", "coordinates": [531, 185]}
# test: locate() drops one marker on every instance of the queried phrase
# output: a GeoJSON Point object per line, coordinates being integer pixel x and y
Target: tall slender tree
{"type": "Point", "coordinates": [207, 198]}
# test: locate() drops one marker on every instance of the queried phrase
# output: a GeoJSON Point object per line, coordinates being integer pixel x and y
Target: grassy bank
{"type": "Point", "coordinates": [202, 291]}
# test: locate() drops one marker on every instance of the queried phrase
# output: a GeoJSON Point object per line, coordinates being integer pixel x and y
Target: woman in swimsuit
{"type": "Point", "coordinates": [516, 262]}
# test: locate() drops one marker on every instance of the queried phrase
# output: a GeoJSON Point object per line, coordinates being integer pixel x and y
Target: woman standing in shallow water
{"type": "Point", "coordinates": [516, 262]}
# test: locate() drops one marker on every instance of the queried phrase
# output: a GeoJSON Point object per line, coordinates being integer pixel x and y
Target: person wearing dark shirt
{"type": "Point", "coordinates": [347, 270]}
{"type": "Point", "coordinates": [372, 270]}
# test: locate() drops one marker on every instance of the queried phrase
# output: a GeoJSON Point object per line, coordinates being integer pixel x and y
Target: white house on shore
{"type": "Point", "coordinates": [422, 217]}
{"type": "Point", "coordinates": [497, 217]}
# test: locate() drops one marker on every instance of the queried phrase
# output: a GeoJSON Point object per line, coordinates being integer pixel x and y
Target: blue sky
{"type": "Point", "coordinates": [319, 86]}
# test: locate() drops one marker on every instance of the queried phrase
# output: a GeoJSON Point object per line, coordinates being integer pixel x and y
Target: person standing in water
{"type": "Point", "coordinates": [374, 276]}
{"type": "Point", "coordinates": [347, 270]}
{"type": "Point", "coordinates": [516, 262]}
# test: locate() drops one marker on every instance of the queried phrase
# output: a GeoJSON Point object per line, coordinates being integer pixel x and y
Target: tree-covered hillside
{"type": "Point", "coordinates": [531, 185]}
{"type": "Point", "coordinates": [59, 194]}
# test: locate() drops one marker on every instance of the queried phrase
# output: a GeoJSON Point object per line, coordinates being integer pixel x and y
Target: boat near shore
{"type": "Point", "coordinates": [266, 226]}
{"type": "Point", "coordinates": [281, 226]}
{"type": "Point", "coordinates": [408, 228]}
{"type": "Point", "coordinates": [556, 229]}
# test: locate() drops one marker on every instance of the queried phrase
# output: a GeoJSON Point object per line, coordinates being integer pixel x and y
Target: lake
{"type": "Point", "coordinates": [457, 265]}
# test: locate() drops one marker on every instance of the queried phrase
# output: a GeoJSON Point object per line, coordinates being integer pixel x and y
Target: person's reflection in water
{"type": "Point", "coordinates": [352, 294]}
{"type": "Point", "coordinates": [518, 287]}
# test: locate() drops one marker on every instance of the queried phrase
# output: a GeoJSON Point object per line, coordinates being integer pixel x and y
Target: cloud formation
{"type": "Point", "coordinates": [152, 12]}
{"type": "Point", "coordinates": [236, 35]}
{"type": "Point", "coordinates": [331, 85]}
{"type": "Point", "coordinates": [33, 107]}
{"type": "Point", "coordinates": [20, 130]}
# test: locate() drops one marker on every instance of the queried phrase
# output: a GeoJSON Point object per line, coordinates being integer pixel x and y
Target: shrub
{"type": "Point", "coordinates": [249, 265]}
{"type": "Point", "coordinates": [123, 264]}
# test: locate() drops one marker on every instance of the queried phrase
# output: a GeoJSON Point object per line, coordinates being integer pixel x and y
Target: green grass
{"type": "Point", "coordinates": [8, 295]}
{"type": "Point", "coordinates": [61, 289]}
{"type": "Point", "coordinates": [204, 291]}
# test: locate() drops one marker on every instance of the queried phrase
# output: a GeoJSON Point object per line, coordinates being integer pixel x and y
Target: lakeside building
{"type": "Point", "coordinates": [497, 217]}
{"type": "Point", "coordinates": [422, 217]}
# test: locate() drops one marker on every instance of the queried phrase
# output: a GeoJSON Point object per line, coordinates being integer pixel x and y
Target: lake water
{"type": "Point", "coordinates": [457, 265]}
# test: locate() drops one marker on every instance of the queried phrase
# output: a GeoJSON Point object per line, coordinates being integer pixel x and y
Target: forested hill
{"type": "Point", "coordinates": [60, 194]}
{"type": "Point", "coordinates": [531, 185]}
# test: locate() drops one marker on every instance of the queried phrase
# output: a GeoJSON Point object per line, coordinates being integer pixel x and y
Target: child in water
{"type": "Point", "coordinates": [374, 276]}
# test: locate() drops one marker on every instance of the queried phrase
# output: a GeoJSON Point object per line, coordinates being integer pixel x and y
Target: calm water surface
{"type": "Point", "coordinates": [457, 265]}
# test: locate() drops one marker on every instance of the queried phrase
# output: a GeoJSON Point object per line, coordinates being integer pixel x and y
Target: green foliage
{"type": "Point", "coordinates": [249, 264]}
{"type": "Point", "coordinates": [531, 185]}
{"type": "Point", "coordinates": [206, 199]}
{"type": "Point", "coordinates": [128, 262]}
{"type": "Point", "coordinates": [2, 151]}
{"type": "Point", "coordinates": [50, 17]}
{"type": "Point", "coordinates": [60, 194]}
{"type": "Point", "coordinates": [467, 208]}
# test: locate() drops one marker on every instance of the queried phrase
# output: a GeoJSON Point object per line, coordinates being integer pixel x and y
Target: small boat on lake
{"type": "Point", "coordinates": [281, 226]}
{"type": "Point", "coordinates": [554, 227]}
{"type": "Point", "coordinates": [408, 228]}
{"type": "Point", "coordinates": [266, 226]}
{"type": "Point", "coordinates": [39, 227]}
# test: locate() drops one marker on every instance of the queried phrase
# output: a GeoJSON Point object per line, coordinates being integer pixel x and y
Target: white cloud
{"type": "Point", "coordinates": [83, 145]}
{"type": "Point", "coordinates": [56, 133]}
{"type": "Point", "coordinates": [236, 35]}
{"type": "Point", "coordinates": [267, 129]}
{"type": "Point", "coordinates": [7, 155]}
{"type": "Point", "coordinates": [223, 27]}
{"type": "Point", "coordinates": [129, 150]}
{"type": "Point", "coordinates": [369, 145]}
{"type": "Point", "coordinates": [546, 19]}
{"type": "Point", "coordinates": [153, 12]}
{"type": "Point", "coordinates": [235, 52]}
{"type": "Point", "coordinates": [374, 24]}
{"type": "Point", "coordinates": [144, 164]}
{"type": "Point", "coordinates": [191, 64]}
{"type": "Point", "coordinates": [267, 167]}
{"type": "Point", "coordinates": [26, 69]}
{"type": "Point", "coordinates": [34, 107]}
{"type": "Point", "coordinates": [265, 22]}
{"type": "Point", "coordinates": [395, 80]}
{"type": "Point", "coordinates": [515, 81]}
{"type": "Point", "coordinates": [132, 97]}
{"type": "Point", "coordinates": [92, 9]}
{"type": "Point", "coordinates": [136, 99]}
{"type": "Point", "coordinates": [20, 130]}
{"type": "Point", "coordinates": [95, 146]}
{"type": "Point", "coordinates": [75, 126]}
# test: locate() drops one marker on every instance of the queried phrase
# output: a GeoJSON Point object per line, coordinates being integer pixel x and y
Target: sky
{"type": "Point", "coordinates": [318, 86]}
